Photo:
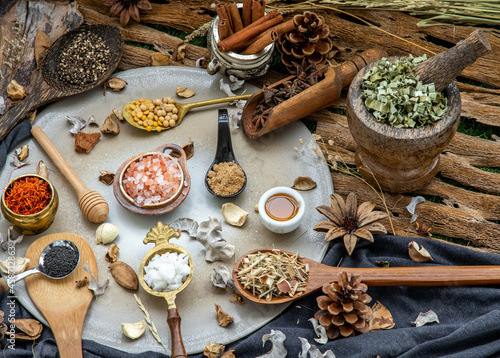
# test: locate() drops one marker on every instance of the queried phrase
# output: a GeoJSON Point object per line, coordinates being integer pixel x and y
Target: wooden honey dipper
{"type": "Point", "coordinates": [92, 204]}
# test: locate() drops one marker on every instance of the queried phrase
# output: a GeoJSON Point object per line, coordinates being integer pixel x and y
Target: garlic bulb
{"type": "Point", "coordinates": [106, 233]}
{"type": "Point", "coordinates": [15, 266]}
{"type": "Point", "coordinates": [134, 330]}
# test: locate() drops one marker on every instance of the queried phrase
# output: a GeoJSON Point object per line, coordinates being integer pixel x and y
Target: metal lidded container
{"type": "Point", "coordinates": [231, 63]}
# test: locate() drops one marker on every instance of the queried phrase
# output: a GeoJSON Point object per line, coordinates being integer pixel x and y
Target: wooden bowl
{"type": "Point", "coordinates": [401, 160]}
{"type": "Point", "coordinates": [154, 209]}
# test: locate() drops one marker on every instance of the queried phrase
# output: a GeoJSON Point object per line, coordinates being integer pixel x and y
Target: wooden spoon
{"type": "Point", "coordinates": [92, 204]}
{"type": "Point", "coordinates": [48, 87]}
{"type": "Point", "coordinates": [62, 304]}
{"type": "Point", "coordinates": [320, 274]}
{"type": "Point", "coordinates": [182, 109]}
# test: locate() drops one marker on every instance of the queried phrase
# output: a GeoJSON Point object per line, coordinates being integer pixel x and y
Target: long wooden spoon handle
{"type": "Point", "coordinates": [174, 323]}
{"type": "Point", "coordinates": [58, 160]}
{"type": "Point", "coordinates": [217, 101]}
{"type": "Point", "coordinates": [427, 275]}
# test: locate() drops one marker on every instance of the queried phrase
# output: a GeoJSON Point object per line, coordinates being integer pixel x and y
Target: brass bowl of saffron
{"type": "Point", "coordinates": [37, 222]}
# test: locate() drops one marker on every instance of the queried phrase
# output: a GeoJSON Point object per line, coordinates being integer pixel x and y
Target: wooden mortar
{"type": "Point", "coordinates": [403, 160]}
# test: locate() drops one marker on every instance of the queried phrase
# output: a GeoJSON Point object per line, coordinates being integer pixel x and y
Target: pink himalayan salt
{"type": "Point", "coordinates": [152, 179]}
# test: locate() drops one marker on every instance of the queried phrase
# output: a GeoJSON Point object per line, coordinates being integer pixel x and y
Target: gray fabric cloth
{"type": "Point", "coordinates": [19, 133]}
{"type": "Point", "coordinates": [469, 316]}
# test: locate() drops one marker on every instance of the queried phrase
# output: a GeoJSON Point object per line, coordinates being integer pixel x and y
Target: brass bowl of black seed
{"type": "Point", "coordinates": [83, 58]}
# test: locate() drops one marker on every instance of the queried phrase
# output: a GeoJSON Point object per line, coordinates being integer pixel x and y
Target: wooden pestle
{"type": "Point", "coordinates": [92, 204]}
{"type": "Point", "coordinates": [316, 97]}
{"type": "Point", "coordinates": [443, 68]}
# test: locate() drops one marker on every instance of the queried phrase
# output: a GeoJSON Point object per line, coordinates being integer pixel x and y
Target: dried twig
{"type": "Point", "coordinates": [150, 323]}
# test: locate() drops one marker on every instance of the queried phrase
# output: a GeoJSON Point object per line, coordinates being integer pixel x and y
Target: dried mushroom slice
{"type": "Point", "coordinates": [110, 125]}
{"type": "Point", "coordinates": [184, 92]}
{"type": "Point", "coordinates": [223, 319]}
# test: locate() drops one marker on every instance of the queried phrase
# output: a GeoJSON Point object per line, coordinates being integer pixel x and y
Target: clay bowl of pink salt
{"type": "Point", "coordinates": [153, 183]}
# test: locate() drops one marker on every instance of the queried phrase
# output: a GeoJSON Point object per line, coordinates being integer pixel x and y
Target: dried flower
{"type": "Point", "coordinates": [127, 9]}
{"type": "Point", "coordinates": [349, 221]}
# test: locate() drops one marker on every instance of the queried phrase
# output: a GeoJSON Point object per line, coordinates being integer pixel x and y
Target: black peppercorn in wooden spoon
{"type": "Point", "coordinates": [224, 153]}
{"type": "Point", "coordinates": [53, 83]}
{"type": "Point", "coordinates": [320, 274]}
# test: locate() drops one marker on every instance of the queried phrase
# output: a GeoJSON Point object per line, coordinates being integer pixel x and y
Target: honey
{"type": "Point", "coordinates": [281, 207]}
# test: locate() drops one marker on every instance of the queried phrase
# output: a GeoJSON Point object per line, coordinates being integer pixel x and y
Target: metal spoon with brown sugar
{"type": "Point", "coordinates": [320, 274]}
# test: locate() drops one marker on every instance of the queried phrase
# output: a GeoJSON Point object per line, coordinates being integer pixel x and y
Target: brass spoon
{"type": "Point", "coordinates": [320, 274]}
{"type": "Point", "coordinates": [182, 109]}
{"type": "Point", "coordinates": [160, 234]}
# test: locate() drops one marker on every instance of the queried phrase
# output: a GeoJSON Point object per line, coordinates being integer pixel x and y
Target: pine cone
{"type": "Point", "coordinates": [344, 311]}
{"type": "Point", "coordinates": [309, 40]}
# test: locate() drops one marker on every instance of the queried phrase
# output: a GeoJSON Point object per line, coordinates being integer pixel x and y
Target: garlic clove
{"type": "Point", "coordinates": [13, 267]}
{"type": "Point", "coordinates": [233, 214]}
{"type": "Point", "coordinates": [106, 233]}
{"type": "Point", "coordinates": [134, 330]}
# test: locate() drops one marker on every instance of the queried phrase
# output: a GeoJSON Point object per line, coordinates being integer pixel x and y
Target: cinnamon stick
{"type": "Point", "coordinates": [224, 29]}
{"type": "Point", "coordinates": [235, 41]}
{"type": "Point", "coordinates": [222, 10]}
{"type": "Point", "coordinates": [258, 9]}
{"type": "Point", "coordinates": [235, 16]}
{"type": "Point", "coordinates": [246, 12]}
{"type": "Point", "coordinates": [267, 37]}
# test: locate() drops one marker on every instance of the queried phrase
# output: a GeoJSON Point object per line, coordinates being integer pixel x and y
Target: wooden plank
{"type": "Point", "coordinates": [444, 220]}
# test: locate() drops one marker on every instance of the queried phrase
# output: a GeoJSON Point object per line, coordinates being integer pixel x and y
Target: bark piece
{"type": "Point", "coordinates": [84, 142]}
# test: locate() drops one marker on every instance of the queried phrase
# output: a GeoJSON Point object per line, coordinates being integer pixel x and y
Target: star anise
{"type": "Point", "coordinates": [127, 9]}
{"type": "Point", "coordinates": [349, 221]}
{"type": "Point", "coordinates": [307, 75]}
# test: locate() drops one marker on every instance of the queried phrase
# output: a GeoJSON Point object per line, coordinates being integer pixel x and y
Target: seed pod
{"type": "Point", "coordinates": [124, 275]}
{"type": "Point", "coordinates": [106, 233]}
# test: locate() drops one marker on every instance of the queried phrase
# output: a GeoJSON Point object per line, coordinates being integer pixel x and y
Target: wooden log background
{"type": "Point", "coordinates": [470, 211]}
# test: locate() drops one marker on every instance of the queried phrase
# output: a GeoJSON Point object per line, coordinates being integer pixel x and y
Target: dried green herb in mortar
{"type": "Point", "coordinates": [396, 96]}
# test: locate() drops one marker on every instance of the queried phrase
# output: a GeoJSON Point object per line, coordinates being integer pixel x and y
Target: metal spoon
{"type": "Point", "coordinates": [41, 268]}
{"type": "Point", "coordinates": [182, 109]}
{"type": "Point", "coordinates": [224, 153]}
{"type": "Point", "coordinates": [320, 274]}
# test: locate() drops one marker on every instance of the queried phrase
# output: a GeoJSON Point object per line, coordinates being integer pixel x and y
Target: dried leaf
{"type": "Point", "coordinates": [31, 327]}
{"type": "Point", "coordinates": [110, 125]}
{"type": "Point", "coordinates": [184, 92]}
{"type": "Point", "coordinates": [223, 319]}
{"type": "Point", "coordinates": [187, 225]}
{"type": "Point", "coordinates": [124, 275]}
{"type": "Point", "coordinates": [42, 44]}
{"type": "Point", "coordinates": [382, 318]}
{"type": "Point", "coordinates": [158, 59]}
{"type": "Point", "coordinates": [277, 338]}
{"type": "Point", "coordinates": [418, 253]}
{"type": "Point", "coordinates": [42, 170]}
{"type": "Point", "coordinates": [213, 349]}
{"type": "Point", "coordinates": [15, 91]}
{"type": "Point", "coordinates": [112, 254]}
{"type": "Point", "coordinates": [320, 331]}
{"type": "Point", "coordinates": [423, 229]}
{"type": "Point", "coordinates": [94, 285]}
{"type": "Point", "coordinates": [237, 298]}
{"type": "Point", "coordinates": [303, 183]}
{"type": "Point", "coordinates": [311, 351]}
{"type": "Point", "coordinates": [82, 283]}
{"type": "Point", "coordinates": [106, 177]}
{"type": "Point", "coordinates": [84, 142]}
{"type": "Point", "coordinates": [427, 317]}
{"type": "Point", "coordinates": [181, 52]}
{"type": "Point", "coordinates": [115, 84]}
{"type": "Point", "coordinates": [222, 277]}
{"type": "Point", "coordinates": [228, 354]}
{"type": "Point", "coordinates": [78, 124]}
{"type": "Point", "coordinates": [26, 337]}
{"type": "Point", "coordinates": [23, 152]}
{"type": "Point", "coordinates": [412, 205]}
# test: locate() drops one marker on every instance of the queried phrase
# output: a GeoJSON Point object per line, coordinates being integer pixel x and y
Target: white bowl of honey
{"type": "Point", "coordinates": [281, 209]}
